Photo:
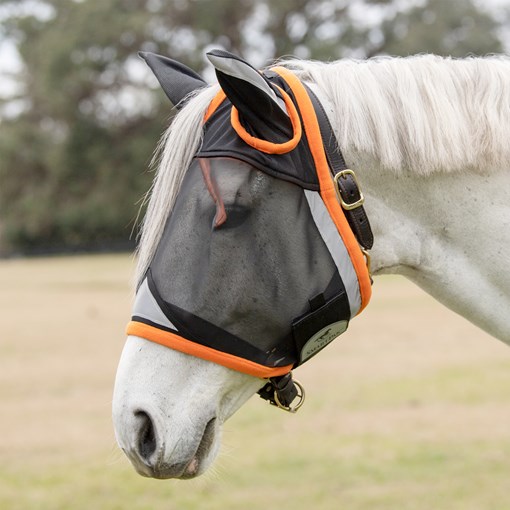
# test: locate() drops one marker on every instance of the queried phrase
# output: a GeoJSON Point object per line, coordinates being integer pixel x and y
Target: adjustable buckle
{"type": "Point", "coordinates": [300, 395]}
{"type": "Point", "coordinates": [342, 175]}
{"type": "Point", "coordinates": [281, 392]}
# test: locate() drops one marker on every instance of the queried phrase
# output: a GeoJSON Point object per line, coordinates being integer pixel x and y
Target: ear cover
{"type": "Point", "coordinates": [175, 78]}
{"type": "Point", "coordinates": [261, 108]}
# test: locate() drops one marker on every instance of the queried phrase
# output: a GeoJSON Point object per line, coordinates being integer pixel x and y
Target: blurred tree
{"type": "Point", "coordinates": [78, 134]}
{"type": "Point", "coordinates": [456, 28]}
{"type": "Point", "coordinates": [72, 158]}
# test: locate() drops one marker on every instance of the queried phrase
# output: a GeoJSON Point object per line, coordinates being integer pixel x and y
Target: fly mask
{"type": "Point", "coordinates": [263, 260]}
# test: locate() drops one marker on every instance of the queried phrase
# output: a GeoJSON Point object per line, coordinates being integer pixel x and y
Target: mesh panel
{"type": "Point", "coordinates": [254, 274]}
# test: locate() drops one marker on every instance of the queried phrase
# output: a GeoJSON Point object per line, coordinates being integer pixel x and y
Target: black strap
{"type": "Point", "coordinates": [283, 386]}
{"type": "Point", "coordinates": [357, 218]}
{"type": "Point", "coordinates": [348, 188]}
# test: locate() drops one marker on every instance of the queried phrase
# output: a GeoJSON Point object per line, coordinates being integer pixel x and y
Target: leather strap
{"type": "Point", "coordinates": [283, 386]}
{"type": "Point", "coordinates": [348, 188]}
{"type": "Point", "coordinates": [357, 218]}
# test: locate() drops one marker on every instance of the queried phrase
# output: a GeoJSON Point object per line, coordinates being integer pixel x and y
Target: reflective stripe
{"type": "Point", "coordinates": [337, 249]}
{"type": "Point", "coordinates": [327, 189]}
{"type": "Point", "coordinates": [147, 307]}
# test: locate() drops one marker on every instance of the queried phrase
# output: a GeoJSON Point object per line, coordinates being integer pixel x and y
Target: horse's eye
{"type": "Point", "coordinates": [236, 216]}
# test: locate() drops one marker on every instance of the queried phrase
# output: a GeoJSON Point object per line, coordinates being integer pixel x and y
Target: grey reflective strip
{"type": "Point", "coordinates": [147, 307]}
{"type": "Point", "coordinates": [336, 248]}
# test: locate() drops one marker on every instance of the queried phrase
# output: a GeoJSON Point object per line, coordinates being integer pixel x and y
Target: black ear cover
{"type": "Point", "coordinates": [176, 79]}
{"type": "Point", "coordinates": [254, 96]}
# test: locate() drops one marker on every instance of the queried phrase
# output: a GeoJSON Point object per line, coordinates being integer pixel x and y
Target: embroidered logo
{"type": "Point", "coordinates": [322, 338]}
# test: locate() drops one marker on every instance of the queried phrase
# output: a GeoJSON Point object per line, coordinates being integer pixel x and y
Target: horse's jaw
{"type": "Point", "coordinates": [168, 408]}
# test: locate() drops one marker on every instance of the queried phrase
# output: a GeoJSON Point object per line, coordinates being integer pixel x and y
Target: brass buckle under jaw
{"type": "Point", "coordinates": [281, 391]}
{"type": "Point", "coordinates": [300, 395]}
{"type": "Point", "coordinates": [345, 205]}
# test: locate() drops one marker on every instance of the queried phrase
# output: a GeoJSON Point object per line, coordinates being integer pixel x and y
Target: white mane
{"type": "Point", "coordinates": [422, 114]}
{"type": "Point", "coordinates": [419, 114]}
{"type": "Point", "coordinates": [173, 157]}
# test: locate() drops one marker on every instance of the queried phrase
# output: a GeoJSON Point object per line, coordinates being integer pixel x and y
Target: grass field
{"type": "Point", "coordinates": [409, 410]}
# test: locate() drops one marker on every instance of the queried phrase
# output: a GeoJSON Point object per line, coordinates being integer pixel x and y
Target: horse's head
{"type": "Point", "coordinates": [249, 277]}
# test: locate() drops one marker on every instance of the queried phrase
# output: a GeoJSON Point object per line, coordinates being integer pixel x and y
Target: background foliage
{"type": "Point", "coordinates": [79, 127]}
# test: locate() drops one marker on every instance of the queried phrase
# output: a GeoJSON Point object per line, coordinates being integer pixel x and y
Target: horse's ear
{"type": "Point", "coordinates": [175, 78]}
{"type": "Point", "coordinates": [257, 100]}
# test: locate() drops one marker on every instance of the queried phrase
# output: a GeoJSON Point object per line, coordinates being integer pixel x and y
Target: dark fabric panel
{"type": "Point", "coordinates": [335, 310]}
{"type": "Point", "coordinates": [220, 139]}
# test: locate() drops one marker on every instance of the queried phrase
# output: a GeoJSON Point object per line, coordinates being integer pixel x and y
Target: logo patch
{"type": "Point", "coordinates": [322, 338]}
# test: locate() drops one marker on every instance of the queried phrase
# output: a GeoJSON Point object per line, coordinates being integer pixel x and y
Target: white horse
{"type": "Point", "coordinates": [429, 140]}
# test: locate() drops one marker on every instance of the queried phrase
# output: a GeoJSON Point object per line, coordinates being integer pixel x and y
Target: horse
{"type": "Point", "coordinates": [428, 139]}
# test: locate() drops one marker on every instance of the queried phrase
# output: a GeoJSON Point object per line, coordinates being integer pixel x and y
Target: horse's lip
{"type": "Point", "coordinates": [184, 470]}
{"type": "Point", "coordinates": [193, 468]}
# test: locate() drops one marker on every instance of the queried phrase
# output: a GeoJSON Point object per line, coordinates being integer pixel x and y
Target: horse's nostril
{"type": "Point", "coordinates": [146, 436]}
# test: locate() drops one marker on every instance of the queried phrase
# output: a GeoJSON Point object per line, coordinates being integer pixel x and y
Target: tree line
{"type": "Point", "coordinates": [79, 128]}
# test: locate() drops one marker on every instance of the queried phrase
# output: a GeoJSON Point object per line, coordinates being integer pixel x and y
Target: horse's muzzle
{"type": "Point", "coordinates": [152, 456]}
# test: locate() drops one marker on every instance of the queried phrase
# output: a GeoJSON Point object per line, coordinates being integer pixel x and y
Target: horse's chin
{"type": "Point", "coordinates": [206, 452]}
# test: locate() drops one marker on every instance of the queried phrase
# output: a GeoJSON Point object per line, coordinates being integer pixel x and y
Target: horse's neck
{"type": "Point", "coordinates": [449, 233]}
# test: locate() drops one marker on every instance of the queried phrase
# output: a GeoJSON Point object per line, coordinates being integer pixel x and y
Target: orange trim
{"type": "Point", "coordinates": [217, 100]}
{"type": "Point", "coordinates": [265, 145]}
{"type": "Point", "coordinates": [326, 182]}
{"type": "Point", "coordinates": [178, 343]}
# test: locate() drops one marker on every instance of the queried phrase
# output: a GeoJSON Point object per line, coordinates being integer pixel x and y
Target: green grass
{"type": "Point", "coordinates": [392, 420]}
{"type": "Point", "coordinates": [323, 473]}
